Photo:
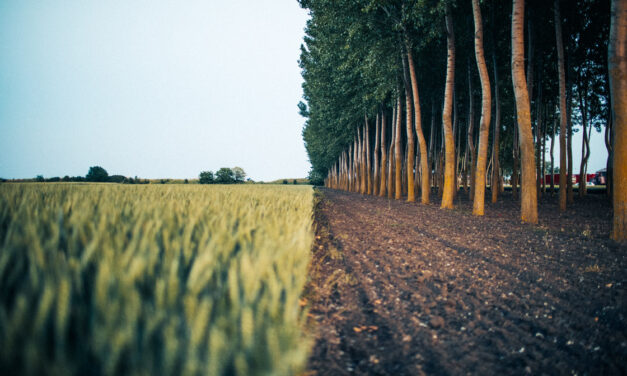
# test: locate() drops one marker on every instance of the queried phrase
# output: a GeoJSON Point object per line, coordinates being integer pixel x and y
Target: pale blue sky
{"type": "Point", "coordinates": [151, 88]}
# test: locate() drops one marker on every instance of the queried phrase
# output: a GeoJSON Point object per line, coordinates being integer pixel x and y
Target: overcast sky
{"type": "Point", "coordinates": [151, 88]}
{"type": "Point", "coordinates": [157, 88]}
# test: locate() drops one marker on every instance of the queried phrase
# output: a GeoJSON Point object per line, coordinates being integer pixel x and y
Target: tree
{"type": "Point", "coordinates": [225, 176]}
{"type": "Point", "coordinates": [562, 105]}
{"type": "Point", "coordinates": [484, 123]}
{"type": "Point", "coordinates": [116, 179]}
{"type": "Point", "coordinates": [238, 174]}
{"type": "Point", "coordinates": [449, 141]}
{"type": "Point", "coordinates": [206, 177]}
{"type": "Point", "coordinates": [97, 174]}
{"type": "Point", "coordinates": [529, 199]}
{"type": "Point", "coordinates": [617, 66]}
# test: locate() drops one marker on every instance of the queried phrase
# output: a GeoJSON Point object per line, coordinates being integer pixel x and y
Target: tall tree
{"type": "Point", "coordinates": [617, 66]}
{"type": "Point", "coordinates": [448, 191]}
{"type": "Point", "coordinates": [411, 192]}
{"type": "Point", "coordinates": [529, 200]}
{"type": "Point", "coordinates": [384, 157]}
{"type": "Point", "coordinates": [377, 150]}
{"type": "Point", "coordinates": [398, 153]}
{"type": "Point", "coordinates": [486, 106]}
{"type": "Point", "coordinates": [562, 106]}
{"type": "Point", "coordinates": [470, 144]}
{"type": "Point", "coordinates": [496, 177]}
{"type": "Point", "coordinates": [422, 143]}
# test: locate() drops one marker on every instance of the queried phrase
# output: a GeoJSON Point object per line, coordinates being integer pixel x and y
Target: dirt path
{"type": "Point", "coordinates": [409, 289]}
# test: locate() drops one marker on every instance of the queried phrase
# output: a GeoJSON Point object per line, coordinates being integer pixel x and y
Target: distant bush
{"type": "Point", "coordinates": [53, 179]}
{"type": "Point", "coordinates": [284, 181]}
{"type": "Point", "coordinates": [117, 178]}
{"type": "Point", "coordinates": [294, 182]}
{"type": "Point", "coordinates": [238, 174]}
{"type": "Point", "coordinates": [66, 178]}
{"type": "Point", "coordinates": [97, 174]}
{"type": "Point", "coordinates": [40, 179]}
{"type": "Point", "coordinates": [206, 177]}
{"type": "Point", "coordinates": [225, 176]}
{"type": "Point", "coordinates": [186, 181]}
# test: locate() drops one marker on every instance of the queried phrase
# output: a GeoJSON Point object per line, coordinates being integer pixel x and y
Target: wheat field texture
{"type": "Point", "coordinates": [153, 280]}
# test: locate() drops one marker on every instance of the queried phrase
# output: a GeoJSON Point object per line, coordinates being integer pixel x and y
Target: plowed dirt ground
{"type": "Point", "coordinates": [403, 288]}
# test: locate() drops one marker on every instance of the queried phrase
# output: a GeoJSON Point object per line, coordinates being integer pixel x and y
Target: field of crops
{"type": "Point", "coordinates": [153, 280]}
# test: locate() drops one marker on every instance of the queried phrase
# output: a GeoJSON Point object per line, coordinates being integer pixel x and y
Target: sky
{"type": "Point", "coordinates": [151, 88]}
{"type": "Point", "coordinates": [158, 88]}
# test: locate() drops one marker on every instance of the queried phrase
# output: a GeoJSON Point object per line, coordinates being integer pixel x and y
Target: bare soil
{"type": "Point", "coordinates": [401, 288]}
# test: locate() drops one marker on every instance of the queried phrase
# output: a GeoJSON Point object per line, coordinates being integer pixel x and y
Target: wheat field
{"type": "Point", "coordinates": [110, 279]}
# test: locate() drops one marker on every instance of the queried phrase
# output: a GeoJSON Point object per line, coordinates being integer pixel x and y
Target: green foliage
{"type": "Point", "coordinates": [97, 174]}
{"type": "Point", "coordinates": [40, 179]}
{"type": "Point", "coordinates": [225, 176]}
{"type": "Point", "coordinates": [206, 177]}
{"type": "Point", "coordinates": [117, 178]}
{"type": "Point", "coordinates": [238, 174]}
{"type": "Point", "coordinates": [154, 280]}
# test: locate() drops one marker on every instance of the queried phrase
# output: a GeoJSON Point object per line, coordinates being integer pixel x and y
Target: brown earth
{"type": "Point", "coordinates": [403, 288]}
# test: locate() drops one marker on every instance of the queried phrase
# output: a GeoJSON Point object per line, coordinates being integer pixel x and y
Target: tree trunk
{"type": "Point", "coordinates": [610, 155]}
{"type": "Point", "coordinates": [515, 164]}
{"type": "Point", "coordinates": [562, 100]}
{"type": "Point", "coordinates": [456, 144]}
{"type": "Point", "coordinates": [410, 146]}
{"type": "Point", "coordinates": [617, 66]}
{"type": "Point", "coordinates": [377, 150]}
{"type": "Point", "coordinates": [543, 153]}
{"type": "Point", "coordinates": [391, 182]}
{"type": "Point", "coordinates": [497, 131]}
{"type": "Point", "coordinates": [410, 149]}
{"type": "Point", "coordinates": [367, 154]}
{"type": "Point", "coordinates": [424, 160]}
{"type": "Point", "coordinates": [539, 120]}
{"type": "Point", "coordinates": [486, 107]}
{"type": "Point", "coordinates": [569, 149]}
{"type": "Point", "coordinates": [553, 159]}
{"type": "Point", "coordinates": [384, 157]}
{"type": "Point", "coordinates": [449, 142]}
{"type": "Point", "coordinates": [529, 200]}
{"type": "Point", "coordinates": [471, 137]}
{"type": "Point", "coordinates": [585, 143]}
{"type": "Point", "coordinates": [398, 189]}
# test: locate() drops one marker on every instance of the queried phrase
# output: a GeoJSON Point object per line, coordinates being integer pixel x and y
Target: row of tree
{"type": "Point", "coordinates": [371, 65]}
{"type": "Point", "coordinates": [224, 175]}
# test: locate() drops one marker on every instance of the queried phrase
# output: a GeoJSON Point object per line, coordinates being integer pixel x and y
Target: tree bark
{"type": "Point", "coordinates": [486, 107]}
{"type": "Point", "coordinates": [410, 146]}
{"type": "Point", "coordinates": [398, 189]}
{"type": "Point", "coordinates": [569, 148]}
{"type": "Point", "coordinates": [367, 154]}
{"type": "Point", "coordinates": [471, 137]}
{"type": "Point", "coordinates": [529, 200]}
{"type": "Point", "coordinates": [553, 158]}
{"type": "Point", "coordinates": [515, 164]}
{"type": "Point", "coordinates": [585, 143]}
{"type": "Point", "coordinates": [497, 131]}
{"type": "Point", "coordinates": [384, 157]}
{"type": "Point", "coordinates": [391, 183]}
{"type": "Point", "coordinates": [377, 150]}
{"type": "Point", "coordinates": [539, 120]}
{"type": "Point", "coordinates": [424, 160]}
{"type": "Point", "coordinates": [562, 101]}
{"type": "Point", "coordinates": [617, 66]}
{"type": "Point", "coordinates": [447, 123]}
